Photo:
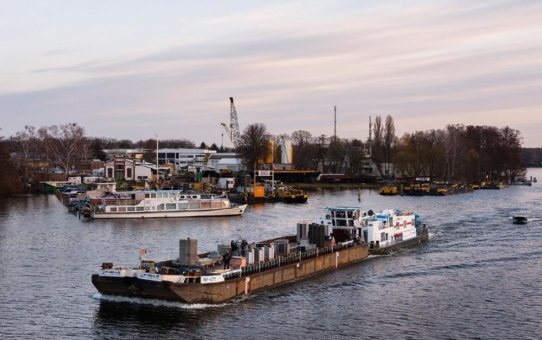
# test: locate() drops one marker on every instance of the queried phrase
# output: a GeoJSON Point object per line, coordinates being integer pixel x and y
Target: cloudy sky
{"type": "Point", "coordinates": [134, 69]}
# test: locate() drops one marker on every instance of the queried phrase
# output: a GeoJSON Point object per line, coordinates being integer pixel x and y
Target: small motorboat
{"type": "Point", "coordinates": [519, 219]}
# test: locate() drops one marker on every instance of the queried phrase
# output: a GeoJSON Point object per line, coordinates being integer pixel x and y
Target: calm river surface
{"type": "Point", "coordinates": [479, 277]}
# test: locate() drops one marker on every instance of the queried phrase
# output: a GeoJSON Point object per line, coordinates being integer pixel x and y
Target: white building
{"type": "Point", "coordinates": [123, 168]}
{"type": "Point", "coordinates": [182, 158]}
{"type": "Point", "coordinates": [224, 161]}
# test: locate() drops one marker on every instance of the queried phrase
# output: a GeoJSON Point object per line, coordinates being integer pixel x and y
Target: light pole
{"type": "Point", "coordinates": [156, 157]}
{"type": "Point", "coordinates": [272, 165]}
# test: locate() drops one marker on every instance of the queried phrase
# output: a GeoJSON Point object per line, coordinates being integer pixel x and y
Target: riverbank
{"type": "Point", "coordinates": [322, 185]}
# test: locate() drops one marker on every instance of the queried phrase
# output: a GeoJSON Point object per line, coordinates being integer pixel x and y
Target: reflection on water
{"type": "Point", "coordinates": [478, 277]}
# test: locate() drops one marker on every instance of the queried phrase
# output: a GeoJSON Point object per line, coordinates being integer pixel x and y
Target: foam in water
{"type": "Point", "coordinates": [153, 302]}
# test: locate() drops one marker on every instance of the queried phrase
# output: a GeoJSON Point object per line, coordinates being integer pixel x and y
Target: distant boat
{"type": "Point", "coordinates": [291, 195]}
{"type": "Point", "coordinates": [519, 219]}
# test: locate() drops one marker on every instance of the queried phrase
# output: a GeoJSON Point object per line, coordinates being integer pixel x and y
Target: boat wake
{"type": "Point", "coordinates": [153, 302]}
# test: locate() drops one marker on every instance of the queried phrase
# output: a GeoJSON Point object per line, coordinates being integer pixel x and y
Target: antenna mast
{"type": "Point", "coordinates": [370, 133]}
{"type": "Point", "coordinates": [335, 124]}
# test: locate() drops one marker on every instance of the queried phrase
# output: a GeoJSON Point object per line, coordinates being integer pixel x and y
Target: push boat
{"type": "Point", "coordinates": [384, 232]}
{"type": "Point", "coordinates": [335, 241]}
{"type": "Point", "coordinates": [162, 204]}
{"type": "Point", "coordinates": [290, 195]}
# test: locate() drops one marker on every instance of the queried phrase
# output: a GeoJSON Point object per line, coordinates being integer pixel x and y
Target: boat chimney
{"type": "Point", "coordinates": [188, 252]}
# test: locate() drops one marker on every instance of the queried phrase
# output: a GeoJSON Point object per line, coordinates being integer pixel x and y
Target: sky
{"type": "Point", "coordinates": [136, 69]}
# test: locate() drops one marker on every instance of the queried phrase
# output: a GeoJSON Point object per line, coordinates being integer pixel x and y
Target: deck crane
{"type": "Point", "coordinates": [233, 130]}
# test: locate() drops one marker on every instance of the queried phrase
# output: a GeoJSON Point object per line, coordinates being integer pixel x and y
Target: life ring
{"type": "Point", "coordinates": [354, 215]}
{"type": "Point", "coordinates": [328, 217]}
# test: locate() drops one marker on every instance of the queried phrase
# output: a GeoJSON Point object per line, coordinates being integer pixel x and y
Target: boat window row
{"type": "Point", "coordinates": [172, 206]}
{"type": "Point", "coordinates": [173, 155]}
{"type": "Point", "coordinates": [172, 195]}
{"type": "Point", "coordinates": [129, 209]}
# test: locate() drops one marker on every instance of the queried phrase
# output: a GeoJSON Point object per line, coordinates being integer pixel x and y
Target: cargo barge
{"type": "Point", "coordinates": [337, 240]}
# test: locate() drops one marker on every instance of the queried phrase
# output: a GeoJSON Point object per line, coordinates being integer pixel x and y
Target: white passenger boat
{"type": "Point", "coordinates": [164, 204]}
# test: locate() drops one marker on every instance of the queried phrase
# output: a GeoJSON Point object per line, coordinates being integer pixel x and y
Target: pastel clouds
{"type": "Point", "coordinates": [286, 65]}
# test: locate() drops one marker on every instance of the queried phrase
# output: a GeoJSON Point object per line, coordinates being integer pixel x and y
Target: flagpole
{"type": "Point", "coordinates": [141, 252]}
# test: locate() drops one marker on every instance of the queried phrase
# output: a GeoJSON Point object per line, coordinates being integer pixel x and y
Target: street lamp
{"type": "Point", "coordinates": [156, 157]}
{"type": "Point", "coordinates": [272, 165]}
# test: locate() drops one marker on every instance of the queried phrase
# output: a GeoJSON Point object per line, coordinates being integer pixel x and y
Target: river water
{"type": "Point", "coordinates": [479, 276]}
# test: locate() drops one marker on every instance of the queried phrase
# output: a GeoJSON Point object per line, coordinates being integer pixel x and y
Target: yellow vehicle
{"type": "Point", "coordinates": [389, 190]}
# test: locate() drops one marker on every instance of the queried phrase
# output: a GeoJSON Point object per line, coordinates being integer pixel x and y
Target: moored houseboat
{"type": "Point", "coordinates": [162, 204]}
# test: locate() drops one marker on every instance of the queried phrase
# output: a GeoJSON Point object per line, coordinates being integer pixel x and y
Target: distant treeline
{"type": "Point", "coordinates": [455, 153]}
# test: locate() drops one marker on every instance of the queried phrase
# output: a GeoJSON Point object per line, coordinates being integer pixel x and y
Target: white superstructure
{"type": "Point", "coordinates": [163, 203]}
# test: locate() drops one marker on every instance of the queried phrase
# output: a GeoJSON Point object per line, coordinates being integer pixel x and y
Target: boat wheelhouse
{"type": "Point", "coordinates": [384, 231]}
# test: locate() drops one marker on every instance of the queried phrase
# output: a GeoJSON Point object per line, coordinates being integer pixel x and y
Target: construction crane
{"type": "Point", "coordinates": [233, 130]}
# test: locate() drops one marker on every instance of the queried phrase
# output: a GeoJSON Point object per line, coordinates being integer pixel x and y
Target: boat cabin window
{"type": "Point", "coordinates": [193, 205]}
{"type": "Point", "coordinates": [131, 208]}
{"type": "Point", "coordinates": [113, 209]}
{"type": "Point", "coordinates": [383, 237]}
{"type": "Point", "coordinates": [171, 206]}
{"type": "Point", "coordinates": [183, 205]}
{"type": "Point", "coordinates": [139, 208]}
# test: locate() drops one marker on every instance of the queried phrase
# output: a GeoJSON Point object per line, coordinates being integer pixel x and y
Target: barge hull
{"type": "Point", "coordinates": [215, 293]}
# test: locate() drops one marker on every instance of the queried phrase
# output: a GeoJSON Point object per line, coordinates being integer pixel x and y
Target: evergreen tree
{"type": "Point", "coordinates": [9, 178]}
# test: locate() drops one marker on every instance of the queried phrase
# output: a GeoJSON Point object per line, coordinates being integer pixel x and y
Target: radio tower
{"type": "Point", "coordinates": [370, 133]}
{"type": "Point", "coordinates": [335, 124]}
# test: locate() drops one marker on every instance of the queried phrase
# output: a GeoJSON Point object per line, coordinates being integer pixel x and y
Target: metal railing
{"type": "Point", "coordinates": [283, 261]}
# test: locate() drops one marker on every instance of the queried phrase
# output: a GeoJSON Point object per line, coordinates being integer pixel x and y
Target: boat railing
{"type": "Point", "coordinates": [282, 261]}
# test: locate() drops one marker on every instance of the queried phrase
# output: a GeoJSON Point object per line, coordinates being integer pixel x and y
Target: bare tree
{"type": "Point", "coordinates": [389, 141]}
{"type": "Point", "coordinates": [454, 143]}
{"type": "Point", "coordinates": [303, 149]}
{"type": "Point", "coordinates": [253, 146]}
{"type": "Point", "coordinates": [354, 156]}
{"type": "Point", "coordinates": [64, 143]}
{"type": "Point", "coordinates": [336, 154]}
{"type": "Point", "coordinates": [377, 148]}
{"type": "Point", "coordinates": [320, 150]}
{"type": "Point", "coordinates": [25, 143]}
